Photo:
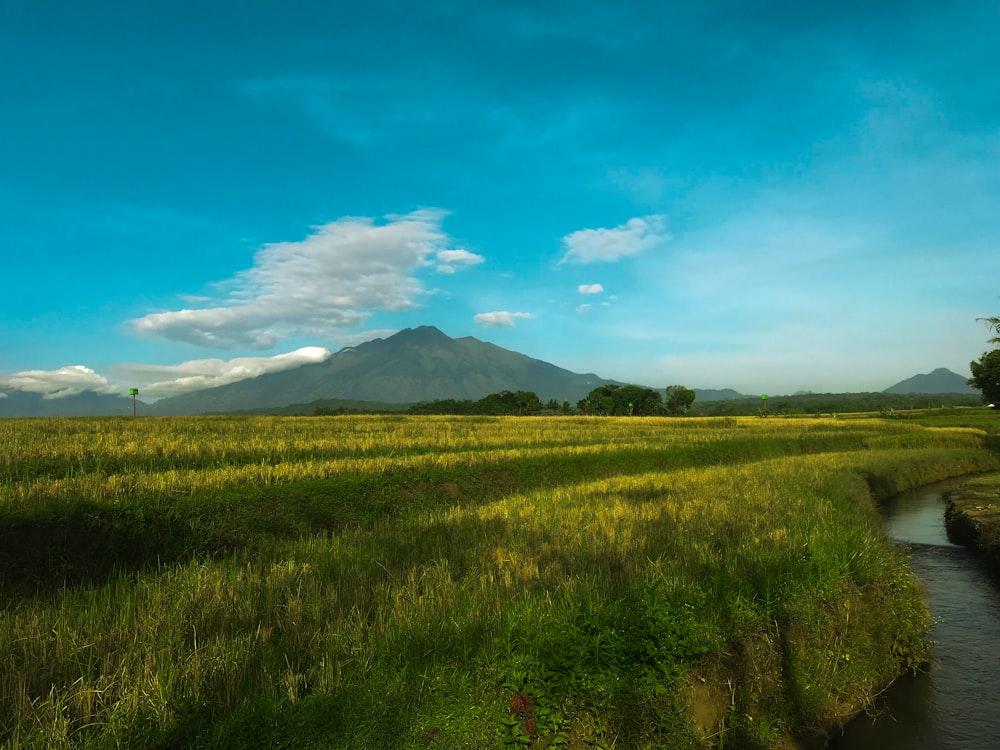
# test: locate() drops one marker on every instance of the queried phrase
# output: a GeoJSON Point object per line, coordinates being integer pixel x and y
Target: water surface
{"type": "Point", "coordinates": [955, 704]}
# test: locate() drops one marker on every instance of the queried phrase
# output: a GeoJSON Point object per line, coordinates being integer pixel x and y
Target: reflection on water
{"type": "Point", "coordinates": [956, 703]}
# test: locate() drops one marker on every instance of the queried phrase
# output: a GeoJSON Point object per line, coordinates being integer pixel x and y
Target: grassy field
{"type": "Point", "coordinates": [448, 582]}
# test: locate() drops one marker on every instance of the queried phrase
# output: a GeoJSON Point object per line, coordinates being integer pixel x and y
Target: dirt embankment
{"type": "Point", "coordinates": [973, 518]}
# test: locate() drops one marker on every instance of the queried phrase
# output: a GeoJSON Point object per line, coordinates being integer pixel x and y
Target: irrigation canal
{"type": "Point", "coordinates": [955, 704]}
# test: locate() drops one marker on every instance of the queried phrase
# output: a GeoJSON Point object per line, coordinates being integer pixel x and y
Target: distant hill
{"type": "Point", "coordinates": [416, 364]}
{"type": "Point", "coordinates": [940, 380]}
{"type": "Point", "coordinates": [834, 403]}
{"type": "Point", "coordinates": [24, 404]}
{"type": "Point", "coordinates": [712, 394]}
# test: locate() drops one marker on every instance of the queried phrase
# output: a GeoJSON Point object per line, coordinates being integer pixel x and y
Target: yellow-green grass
{"type": "Point", "coordinates": [453, 582]}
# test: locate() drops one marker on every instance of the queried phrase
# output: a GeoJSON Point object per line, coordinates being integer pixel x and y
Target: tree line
{"type": "Point", "coordinates": [609, 400]}
{"type": "Point", "coordinates": [613, 400]}
{"type": "Point", "coordinates": [501, 404]}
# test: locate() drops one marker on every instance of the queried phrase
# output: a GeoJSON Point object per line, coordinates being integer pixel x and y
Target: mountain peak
{"type": "Point", "coordinates": [420, 335]}
{"type": "Point", "coordinates": [415, 364]}
{"type": "Point", "coordinates": [941, 380]}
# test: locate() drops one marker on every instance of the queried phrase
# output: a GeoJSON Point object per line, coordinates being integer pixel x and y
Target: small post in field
{"type": "Point", "coordinates": [764, 399]}
{"type": "Point", "coordinates": [133, 392]}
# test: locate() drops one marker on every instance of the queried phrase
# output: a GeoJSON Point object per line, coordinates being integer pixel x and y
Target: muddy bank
{"type": "Point", "coordinates": [973, 518]}
{"type": "Point", "coordinates": [954, 702]}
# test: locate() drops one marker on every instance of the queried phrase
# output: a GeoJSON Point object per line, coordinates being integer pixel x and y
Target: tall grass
{"type": "Point", "coordinates": [453, 582]}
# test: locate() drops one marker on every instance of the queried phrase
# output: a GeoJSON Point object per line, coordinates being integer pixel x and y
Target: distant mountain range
{"type": "Point", "coordinates": [416, 364]}
{"type": "Point", "coordinates": [23, 404]}
{"type": "Point", "coordinates": [938, 381]}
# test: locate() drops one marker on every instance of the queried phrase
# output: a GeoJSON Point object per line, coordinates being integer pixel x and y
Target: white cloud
{"type": "Point", "coordinates": [583, 308]}
{"type": "Point", "coordinates": [590, 289]}
{"type": "Point", "coordinates": [159, 381]}
{"type": "Point", "coordinates": [329, 281]}
{"type": "Point", "coordinates": [501, 318]}
{"type": "Point", "coordinates": [66, 381]}
{"type": "Point", "coordinates": [450, 261]}
{"type": "Point", "coordinates": [627, 240]}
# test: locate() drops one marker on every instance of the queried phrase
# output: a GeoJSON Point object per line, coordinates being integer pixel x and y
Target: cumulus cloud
{"type": "Point", "coordinates": [159, 381]}
{"type": "Point", "coordinates": [590, 289]}
{"type": "Point", "coordinates": [501, 318]}
{"type": "Point", "coordinates": [624, 241]}
{"type": "Point", "coordinates": [66, 381]}
{"type": "Point", "coordinates": [449, 261]}
{"type": "Point", "coordinates": [329, 281]}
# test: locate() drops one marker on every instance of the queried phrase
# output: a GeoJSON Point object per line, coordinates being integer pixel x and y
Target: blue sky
{"type": "Point", "coordinates": [767, 196]}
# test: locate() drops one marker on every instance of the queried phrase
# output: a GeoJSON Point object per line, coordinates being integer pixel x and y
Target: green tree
{"type": "Point", "coordinates": [635, 400]}
{"type": "Point", "coordinates": [527, 402]}
{"type": "Point", "coordinates": [679, 399]}
{"type": "Point", "coordinates": [599, 402]}
{"type": "Point", "coordinates": [986, 370]}
{"type": "Point", "coordinates": [621, 400]}
{"type": "Point", "coordinates": [508, 403]}
{"type": "Point", "coordinates": [986, 375]}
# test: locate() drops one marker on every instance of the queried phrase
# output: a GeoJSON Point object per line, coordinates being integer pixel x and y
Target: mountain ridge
{"type": "Point", "coordinates": [412, 365]}
{"type": "Point", "coordinates": [17, 403]}
{"type": "Point", "coordinates": [941, 380]}
{"type": "Point", "coordinates": [415, 364]}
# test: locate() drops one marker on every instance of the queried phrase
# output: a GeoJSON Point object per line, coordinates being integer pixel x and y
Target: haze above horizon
{"type": "Point", "coordinates": [759, 196]}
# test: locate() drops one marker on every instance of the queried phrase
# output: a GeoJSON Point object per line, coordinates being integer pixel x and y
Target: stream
{"type": "Point", "coordinates": [955, 704]}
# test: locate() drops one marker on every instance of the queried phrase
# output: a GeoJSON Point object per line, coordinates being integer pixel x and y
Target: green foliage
{"type": "Point", "coordinates": [679, 399]}
{"type": "Point", "coordinates": [501, 404]}
{"type": "Point", "coordinates": [621, 401]}
{"type": "Point", "coordinates": [600, 656]}
{"type": "Point", "coordinates": [986, 376]}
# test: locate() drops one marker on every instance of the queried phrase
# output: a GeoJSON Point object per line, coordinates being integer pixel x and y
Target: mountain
{"type": "Point", "coordinates": [87, 404]}
{"type": "Point", "coordinates": [416, 364]}
{"type": "Point", "coordinates": [940, 380]}
{"type": "Point", "coordinates": [717, 394]}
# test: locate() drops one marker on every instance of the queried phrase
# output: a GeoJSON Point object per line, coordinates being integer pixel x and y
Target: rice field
{"type": "Point", "coordinates": [454, 582]}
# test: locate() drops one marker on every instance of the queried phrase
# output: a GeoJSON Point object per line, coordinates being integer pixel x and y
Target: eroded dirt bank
{"type": "Point", "coordinates": [973, 518]}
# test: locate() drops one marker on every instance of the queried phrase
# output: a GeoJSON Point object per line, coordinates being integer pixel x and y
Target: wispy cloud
{"type": "Point", "coordinates": [501, 318]}
{"type": "Point", "coordinates": [590, 289]}
{"type": "Point", "coordinates": [626, 240]}
{"type": "Point", "coordinates": [158, 381]}
{"type": "Point", "coordinates": [328, 282]}
{"type": "Point", "coordinates": [66, 381]}
{"type": "Point", "coordinates": [449, 261]}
